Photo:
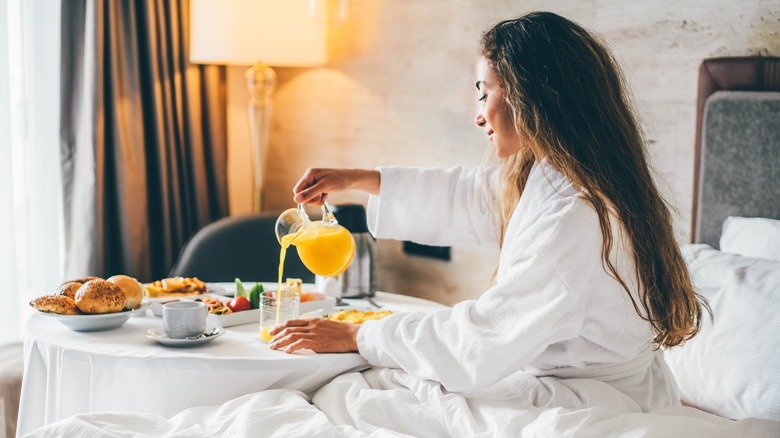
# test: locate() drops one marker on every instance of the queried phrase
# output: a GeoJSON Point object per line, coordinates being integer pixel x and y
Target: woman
{"type": "Point", "coordinates": [590, 280]}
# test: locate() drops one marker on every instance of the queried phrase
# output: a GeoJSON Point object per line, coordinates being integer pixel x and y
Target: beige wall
{"type": "Point", "coordinates": [409, 99]}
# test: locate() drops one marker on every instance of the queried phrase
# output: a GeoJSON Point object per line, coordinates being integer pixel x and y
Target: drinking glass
{"type": "Point", "coordinates": [275, 311]}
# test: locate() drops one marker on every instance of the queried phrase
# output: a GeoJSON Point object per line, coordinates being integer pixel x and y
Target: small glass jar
{"type": "Point", "coordinates": [289, 307]}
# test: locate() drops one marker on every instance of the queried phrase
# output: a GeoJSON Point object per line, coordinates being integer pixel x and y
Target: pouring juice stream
{"type": "Point", "coordinates": [325, 248]}
{"type": "Point", "coordinates": [286, 241]}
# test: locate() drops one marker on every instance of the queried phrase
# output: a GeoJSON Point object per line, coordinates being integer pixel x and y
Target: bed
{"type": "Point", "coordinates": [732, 368]}
{"type": "Point", "coordinates": [728, 374]}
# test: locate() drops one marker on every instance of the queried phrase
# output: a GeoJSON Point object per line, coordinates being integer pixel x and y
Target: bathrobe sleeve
{"type": "Point", "coordinates": [436, 206]}
{"type": "Point", "coordinates": [479, 342]}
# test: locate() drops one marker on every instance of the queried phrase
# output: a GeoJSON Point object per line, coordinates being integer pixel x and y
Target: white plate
{"type": "Point", "coordinates": [91, 323]}
{"type": "Point", "coordinates": [211, 288]}
{"type": "Point", "coordinates": [141, 310]}
{"type": "Point", "coordinates": [217, 288]}
{"type": "Point", "coordinates": [229, 289]}
{"type": "Point", "coordinates": [160, 336]}
{"type": "Point", "coordinates": [253, 316]}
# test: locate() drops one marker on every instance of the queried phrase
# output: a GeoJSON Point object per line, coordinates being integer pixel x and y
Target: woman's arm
{"type": "Point", "coordinates": [316, 183]}
{"type": "Point", "coordinates": [478, 343]}
{"type": "Point", "coordinates": [436, 206]}
{"type": "Point", "coordinates": [471, 346]}
{"type": "Point", "coordinates": [426, 205]}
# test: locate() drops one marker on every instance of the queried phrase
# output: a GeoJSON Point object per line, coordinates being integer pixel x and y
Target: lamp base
{"type": "Point", "coordinates": [261, 81]}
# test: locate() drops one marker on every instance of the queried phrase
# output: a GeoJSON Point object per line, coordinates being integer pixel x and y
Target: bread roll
{"type": "Point", "coordinates": [100, 296]}
{"type": "Point", "coordinates": [60, 304]}
{"type": "Point", "coordinates": [84, 279]}
{"type": "Point", "coordinates": [134, 293]}
{"type": "Point", "coordinates": [69, 289]}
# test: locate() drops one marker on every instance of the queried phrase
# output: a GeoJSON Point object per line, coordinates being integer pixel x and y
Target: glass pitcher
{"type": "Point", "coordinates": [325, 247]}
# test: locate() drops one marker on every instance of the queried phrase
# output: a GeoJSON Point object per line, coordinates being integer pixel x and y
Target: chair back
{"type": "Point", "coordinates": [242, 247]}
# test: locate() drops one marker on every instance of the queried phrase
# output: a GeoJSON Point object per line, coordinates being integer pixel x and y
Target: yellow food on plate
{"type": "Point", "coordinates": [357, 316]}
{"type": "Point", "coordinates": [175, 286]}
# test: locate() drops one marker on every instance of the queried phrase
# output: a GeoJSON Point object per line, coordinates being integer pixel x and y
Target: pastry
{"type": "Point", "coordinates": [85, 279]}
{"type": "Point", "coordinates": [175, 286]}
{"type": "Point", "coordinates": [216, 306]}
{"type": "Point", "coordinates": [59, 304]}
{"type": "Point", "coordinates": [134, 293]}
{"type": "Point", "coordinates": [69, 289]}
{"type": "Point", "coordinates": [100, 296]}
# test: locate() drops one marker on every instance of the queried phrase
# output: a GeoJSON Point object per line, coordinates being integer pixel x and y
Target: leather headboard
{"type": "Point", "coordinates": [733, 73]}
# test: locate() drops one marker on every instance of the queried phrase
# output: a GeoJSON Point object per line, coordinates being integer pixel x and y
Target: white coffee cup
{"type": "Point", "coordinates": [184, 318]}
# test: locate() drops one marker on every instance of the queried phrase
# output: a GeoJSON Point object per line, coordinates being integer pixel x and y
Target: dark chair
{"type": "Point", "coordinates": [242, 247]}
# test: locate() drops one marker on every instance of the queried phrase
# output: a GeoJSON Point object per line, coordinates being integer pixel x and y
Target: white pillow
{"type": "Point", "coordinates": [732, 367]}
{"type": "Point", "coordinates": [751, 237]}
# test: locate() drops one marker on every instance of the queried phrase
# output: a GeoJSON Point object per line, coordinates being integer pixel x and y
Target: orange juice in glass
{"type": "Point", "coordinates": [276, 308]}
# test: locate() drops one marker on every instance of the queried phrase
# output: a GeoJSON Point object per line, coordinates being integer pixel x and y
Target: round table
{"type": "Point", "coordinates": [68, 372]}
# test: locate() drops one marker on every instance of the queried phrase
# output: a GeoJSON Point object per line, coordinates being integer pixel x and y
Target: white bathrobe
{"type": "Point", "coordinates": [553, 311]}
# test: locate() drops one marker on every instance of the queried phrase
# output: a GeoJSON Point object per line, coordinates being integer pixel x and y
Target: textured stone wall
{"type": "Point", "coordinates": [409, 99]}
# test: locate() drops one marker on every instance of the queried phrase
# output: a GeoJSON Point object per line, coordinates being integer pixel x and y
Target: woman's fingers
{"type": "Point", "coordinates": [307, 180]}
{"type": "Point", "coordinates": [289, 323]}
{"type": "Point", "coordinates": [311, 195]}
{"type": "Point", "coordinates": [316, 183]}
{"type": "Point", "coordinates": [295, 322]}
{"type": "Point", "coordinates": [301, 344]}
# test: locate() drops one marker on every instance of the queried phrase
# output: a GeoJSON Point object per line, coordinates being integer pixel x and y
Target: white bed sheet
{"type": "Point", "coordinates": [390, 403]}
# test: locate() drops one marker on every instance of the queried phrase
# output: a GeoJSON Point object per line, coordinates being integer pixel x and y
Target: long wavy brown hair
{"type": "Point", "coordinates": [570, 106]}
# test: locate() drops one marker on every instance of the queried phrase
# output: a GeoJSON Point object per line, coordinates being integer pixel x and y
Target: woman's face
{"type": "Point", "coordinates": [494, 114]}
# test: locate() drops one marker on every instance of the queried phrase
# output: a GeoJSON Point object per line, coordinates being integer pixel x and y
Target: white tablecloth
{"type": "Point", "coordinates": [68, 373]}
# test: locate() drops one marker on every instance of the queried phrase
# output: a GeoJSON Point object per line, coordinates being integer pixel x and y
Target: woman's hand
{"type": "Point", "coordinates": [319, 335]}
{"type": "Point", "coordinates": [315, 184]}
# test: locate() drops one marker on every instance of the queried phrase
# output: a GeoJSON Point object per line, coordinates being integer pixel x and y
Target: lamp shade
{"type": "Point", "coordinates": [275, 32]}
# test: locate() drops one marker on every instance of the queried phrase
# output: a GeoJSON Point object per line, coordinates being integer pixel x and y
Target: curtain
{"type": "Point", "coordinates": [30, 192]}
{"type": "Point", "coordinates": [143, 137]}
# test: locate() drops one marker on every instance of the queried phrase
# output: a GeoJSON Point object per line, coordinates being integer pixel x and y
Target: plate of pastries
{"type": "Point", "coordinates": [92, 303]}
{"type": "Point", "coordinates": [171, 289]}
{"type": "Point", "coordinates": [174, 287]}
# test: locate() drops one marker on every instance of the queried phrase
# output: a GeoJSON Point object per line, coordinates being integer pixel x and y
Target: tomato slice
{"type": "Point", "coordinates": [239, 304]}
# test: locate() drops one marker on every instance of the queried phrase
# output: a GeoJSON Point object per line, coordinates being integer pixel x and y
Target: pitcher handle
{"type": "Point", "coordinates": [327, 216]}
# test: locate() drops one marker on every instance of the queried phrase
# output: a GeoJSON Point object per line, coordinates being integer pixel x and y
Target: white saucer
{"type": "Point", "coordinates": [160, 336]}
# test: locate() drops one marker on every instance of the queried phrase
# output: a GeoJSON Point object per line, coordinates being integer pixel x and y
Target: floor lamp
{"type": "Point", "coordinates": [260, 33]}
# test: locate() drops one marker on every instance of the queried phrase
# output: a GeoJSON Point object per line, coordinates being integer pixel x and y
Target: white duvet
{"type": "Point", "coordinates": [390, 403]}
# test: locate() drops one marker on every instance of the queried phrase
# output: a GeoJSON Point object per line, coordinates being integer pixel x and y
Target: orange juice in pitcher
{"type": "Point", "coordinates": [325, 247]}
